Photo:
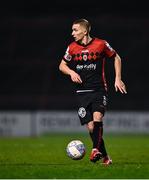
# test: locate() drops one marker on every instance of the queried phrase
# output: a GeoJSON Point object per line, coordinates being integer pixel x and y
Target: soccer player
{"type": "Point", "coordinates": [88, 55]}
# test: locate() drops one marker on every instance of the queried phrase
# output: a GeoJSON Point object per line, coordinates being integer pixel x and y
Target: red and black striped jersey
{"type": "Point", "coordinates": [89, 63]}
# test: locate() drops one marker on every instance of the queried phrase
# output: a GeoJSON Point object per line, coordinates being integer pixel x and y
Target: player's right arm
{"type": "Point", "coordinates": [63, 67]}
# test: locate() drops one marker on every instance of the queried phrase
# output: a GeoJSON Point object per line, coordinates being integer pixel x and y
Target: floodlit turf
{"type": "Point", "coordinates": [45, 157]}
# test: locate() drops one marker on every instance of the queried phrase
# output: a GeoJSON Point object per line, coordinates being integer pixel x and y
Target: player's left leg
{"type": "Point", "coordinates": [106, 160]}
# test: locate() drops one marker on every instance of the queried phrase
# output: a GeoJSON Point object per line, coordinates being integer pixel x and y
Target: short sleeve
{"type": "Point", "coordinates": [108, 50]}
{"type": "Point", "coordinates": [67, 57]}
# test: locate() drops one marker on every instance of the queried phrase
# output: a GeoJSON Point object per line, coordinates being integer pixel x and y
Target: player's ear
{"type": "Point", "coordinates": [85, 32]}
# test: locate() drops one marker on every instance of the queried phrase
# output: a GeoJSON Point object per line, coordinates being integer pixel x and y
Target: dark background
{"type": "Point", "coordinates": [34, 36]}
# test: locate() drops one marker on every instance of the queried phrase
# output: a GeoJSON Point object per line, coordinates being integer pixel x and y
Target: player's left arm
{"type": "Point", "coordinates": [119, 84]}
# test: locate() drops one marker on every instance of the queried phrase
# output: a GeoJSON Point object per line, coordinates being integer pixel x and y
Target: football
{"type": "Point", "coordinates": [76, 149]}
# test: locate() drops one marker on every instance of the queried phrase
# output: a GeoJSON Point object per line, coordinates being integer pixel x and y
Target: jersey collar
{"type": "Point", "coordinates": [84, 45]}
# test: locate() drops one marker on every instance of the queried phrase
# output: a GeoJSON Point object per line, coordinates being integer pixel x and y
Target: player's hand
{"type": "Point", "coordinates": [75, 77]}
{"type": "Point", "coordinates": [119, 85]}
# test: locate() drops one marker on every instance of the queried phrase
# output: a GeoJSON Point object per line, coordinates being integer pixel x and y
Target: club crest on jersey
{"type": "Point", "coordinates": [85, 56]}
{"type": "Point", "coordinates": [82, 112]}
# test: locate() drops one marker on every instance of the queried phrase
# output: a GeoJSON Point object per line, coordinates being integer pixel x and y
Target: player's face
{"type": "Point", "coordinates": [78, 32]}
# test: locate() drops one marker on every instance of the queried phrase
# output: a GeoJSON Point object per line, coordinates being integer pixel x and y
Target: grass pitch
{"type": "Point", "coordinates": [45, 158]}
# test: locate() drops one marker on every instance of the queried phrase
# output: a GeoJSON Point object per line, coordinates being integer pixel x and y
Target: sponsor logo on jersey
{"type": "Point", "coordinates": [86, 67]}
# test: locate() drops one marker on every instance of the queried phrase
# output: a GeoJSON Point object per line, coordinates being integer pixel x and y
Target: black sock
{"type": "Point", "coordinates": [97, 135]}
{"type": "Point", "coordinates": [103, 149]}
{"type": "Point", "coordinates": [97, 138]}
{"type": "Point", "coordinates": [91, 136]}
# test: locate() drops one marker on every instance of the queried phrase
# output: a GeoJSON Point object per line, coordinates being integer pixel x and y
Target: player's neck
{"type": "Point", "coordinates": [86, 40]}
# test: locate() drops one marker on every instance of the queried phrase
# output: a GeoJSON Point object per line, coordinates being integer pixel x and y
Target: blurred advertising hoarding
{"type": "Point", "coordinates": [34, 123]}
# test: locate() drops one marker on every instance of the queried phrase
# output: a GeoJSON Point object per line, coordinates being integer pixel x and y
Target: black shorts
{"type": "Point", "coordinates": [90, 102]}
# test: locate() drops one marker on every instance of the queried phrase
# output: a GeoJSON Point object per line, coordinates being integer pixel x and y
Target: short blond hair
{"type": "Point", "coordinates": [83, 22]}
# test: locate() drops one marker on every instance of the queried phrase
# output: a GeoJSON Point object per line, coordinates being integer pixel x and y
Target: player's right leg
{"type": "Point", "coordinates": [98, 152]}
{"type": "Point", "coordinates": [95, 153]}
